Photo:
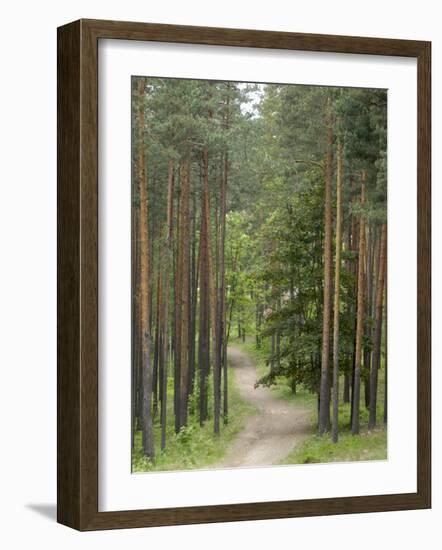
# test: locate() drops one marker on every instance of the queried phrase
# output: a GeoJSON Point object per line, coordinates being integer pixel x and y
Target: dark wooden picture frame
{"type": "Point", "coordinates": [77, 225]}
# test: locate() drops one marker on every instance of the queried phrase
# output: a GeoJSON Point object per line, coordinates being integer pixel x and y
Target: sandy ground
{"type": "Point", "coordinates": [270, 434]}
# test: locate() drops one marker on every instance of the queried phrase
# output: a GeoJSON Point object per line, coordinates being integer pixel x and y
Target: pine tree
{"type": "Point", "coordinates": [324, 403]}
{"type": "Point", "coordinates": [146, 378]}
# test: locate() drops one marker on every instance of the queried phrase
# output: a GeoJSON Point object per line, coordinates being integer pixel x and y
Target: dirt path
{"type": "Point", "coordinates": [270, 434]}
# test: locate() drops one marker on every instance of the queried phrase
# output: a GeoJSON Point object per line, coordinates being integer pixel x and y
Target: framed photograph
{"type": "Point", "coordinates": [243, 274]}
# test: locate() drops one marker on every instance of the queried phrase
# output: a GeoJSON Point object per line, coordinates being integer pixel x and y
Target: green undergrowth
{"type": "Point", "coordinates": [368, 445]}
{"type": "Point", "coordinates": [195, 447]}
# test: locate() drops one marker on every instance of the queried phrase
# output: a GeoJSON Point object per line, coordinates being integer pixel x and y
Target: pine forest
{"type": "Point", "coordinates": [259, 274]}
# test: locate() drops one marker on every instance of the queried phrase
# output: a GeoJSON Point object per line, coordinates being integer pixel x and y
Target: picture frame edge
{"type": "Point", "coordinates": [77, 275]}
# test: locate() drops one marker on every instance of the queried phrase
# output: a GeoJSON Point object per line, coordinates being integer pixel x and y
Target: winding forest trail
{"type": "Point", "coordinates": [273, 431]}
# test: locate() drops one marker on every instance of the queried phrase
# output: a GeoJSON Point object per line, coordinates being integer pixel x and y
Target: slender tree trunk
{"type": "Point", "coordinates": [166, 286]}
{"type": "Point", "coordinates": [178, 314]}
{"type": "Point", "coordinates": [210, 264]}
{"type": "Point", "coordinates": [152, 238]}
{"type": "Point", "coordinates": [225, 366]}
{"type": "Point", "coordinates": [218, 309]}
{"type": "Point", "coordinates": [217, 368]}
{"type": "Point", "coordinates": [222, 350]}
{"type": "Point", "coordinates": [324, 409]}
{"type": "Point", "coordinates": [369, 253]}
{"type": "Point", "coordinates": [337, 294]}
{"type": "Point", "coordinates": [355, 270]}
{"type": "Point", "coordinates": [134, 339]}
{"type": "Point", "coordinates": [359, 316]}
{"type": "Point", "coordinates": [146, 381]}
{"type": "Point", "coordinates": [348, 265]}
{"type": "Point", "coordinates": [372, 308]}
{"type": "Point", "coordinates": [158, 329]}
{"type": "Point", "coordinates": [184, 294]}
{"type": "Point", "coordinates": [193, 297]}
{"type": "Point", "coordinates": [137, 312]}
{"type": "Point", "coordinates": [204, 304]}
{"type": "Point", "coordinates": [378, 329]}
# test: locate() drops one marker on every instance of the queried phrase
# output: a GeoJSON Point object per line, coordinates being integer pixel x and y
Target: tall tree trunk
{"type": "Point", "coordinates": [359, 316]}
{"type": "Point", "coordinates": [135, 319]}
{"type": "Point", "coordinates": [178, 313]}
{"type": "Point", "coordinates": [152, 231]}
{"type": "Point", "coordinates": [217, 339]}
{"type": "Point", "coordinates": [378, 329]}
{"type": "Point", "coordinates": [211, 263]}
{"type": "Point", "coordinates": [369, 270]}
{"type": "Point", "coordinates": [355, 268]}
{"type": "Point", "coordinates": [225, 364]}
{"type": "Point", "coordinates": [337, 294]}
{"type": "Point", "coordinates": [348, 363]}
{"type": "Point", "coordinates": [205, 296]}
{"type": "Point", "coordinates": [158, 329]}
{"type": "Point", "coordinates": [222, 351]}
{"type": "Point", "coordinates": [137, 313]}
{"type": "Point", "coordinates": [146, 381]}
{"type": "Point", "coordinates": [324, 406]}
{"type": "Point", "coordinates": [166, 286]}
{"type": "Point", "coordinates": [184, 291]}
{"type": "Point", "coordinates": [194, 274]}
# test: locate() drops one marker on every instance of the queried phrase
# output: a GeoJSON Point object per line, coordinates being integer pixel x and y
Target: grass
{"type": "Point", "coordinates": [368, 445]}
{"type": "Point", "coordinates": [195, 447]}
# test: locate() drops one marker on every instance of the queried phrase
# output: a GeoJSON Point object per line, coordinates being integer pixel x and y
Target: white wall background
{"type": "Point", "coordinates": [28, 271]}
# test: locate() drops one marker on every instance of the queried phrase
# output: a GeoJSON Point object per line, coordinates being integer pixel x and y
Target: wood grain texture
{"type": "Point", "coordinates": [252, 38]}
{"type": "Point", "coordinates": [424, 274]}
{"type": "Point", "coordinates": [77, 225]}
{"type": "Point", "coordinates": [68, 275]}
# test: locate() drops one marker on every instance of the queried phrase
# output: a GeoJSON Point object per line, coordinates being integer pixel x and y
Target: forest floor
{"type": "Point", "coordinates": [312, 448]}
{"type": "Point", "coordinates": [275, 430]}
{"type": "Point", "coordinates": [267, 426]}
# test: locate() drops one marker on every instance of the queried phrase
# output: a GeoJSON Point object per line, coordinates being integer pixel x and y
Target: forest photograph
{"type": "Point", "coordinates": [259, 274]}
